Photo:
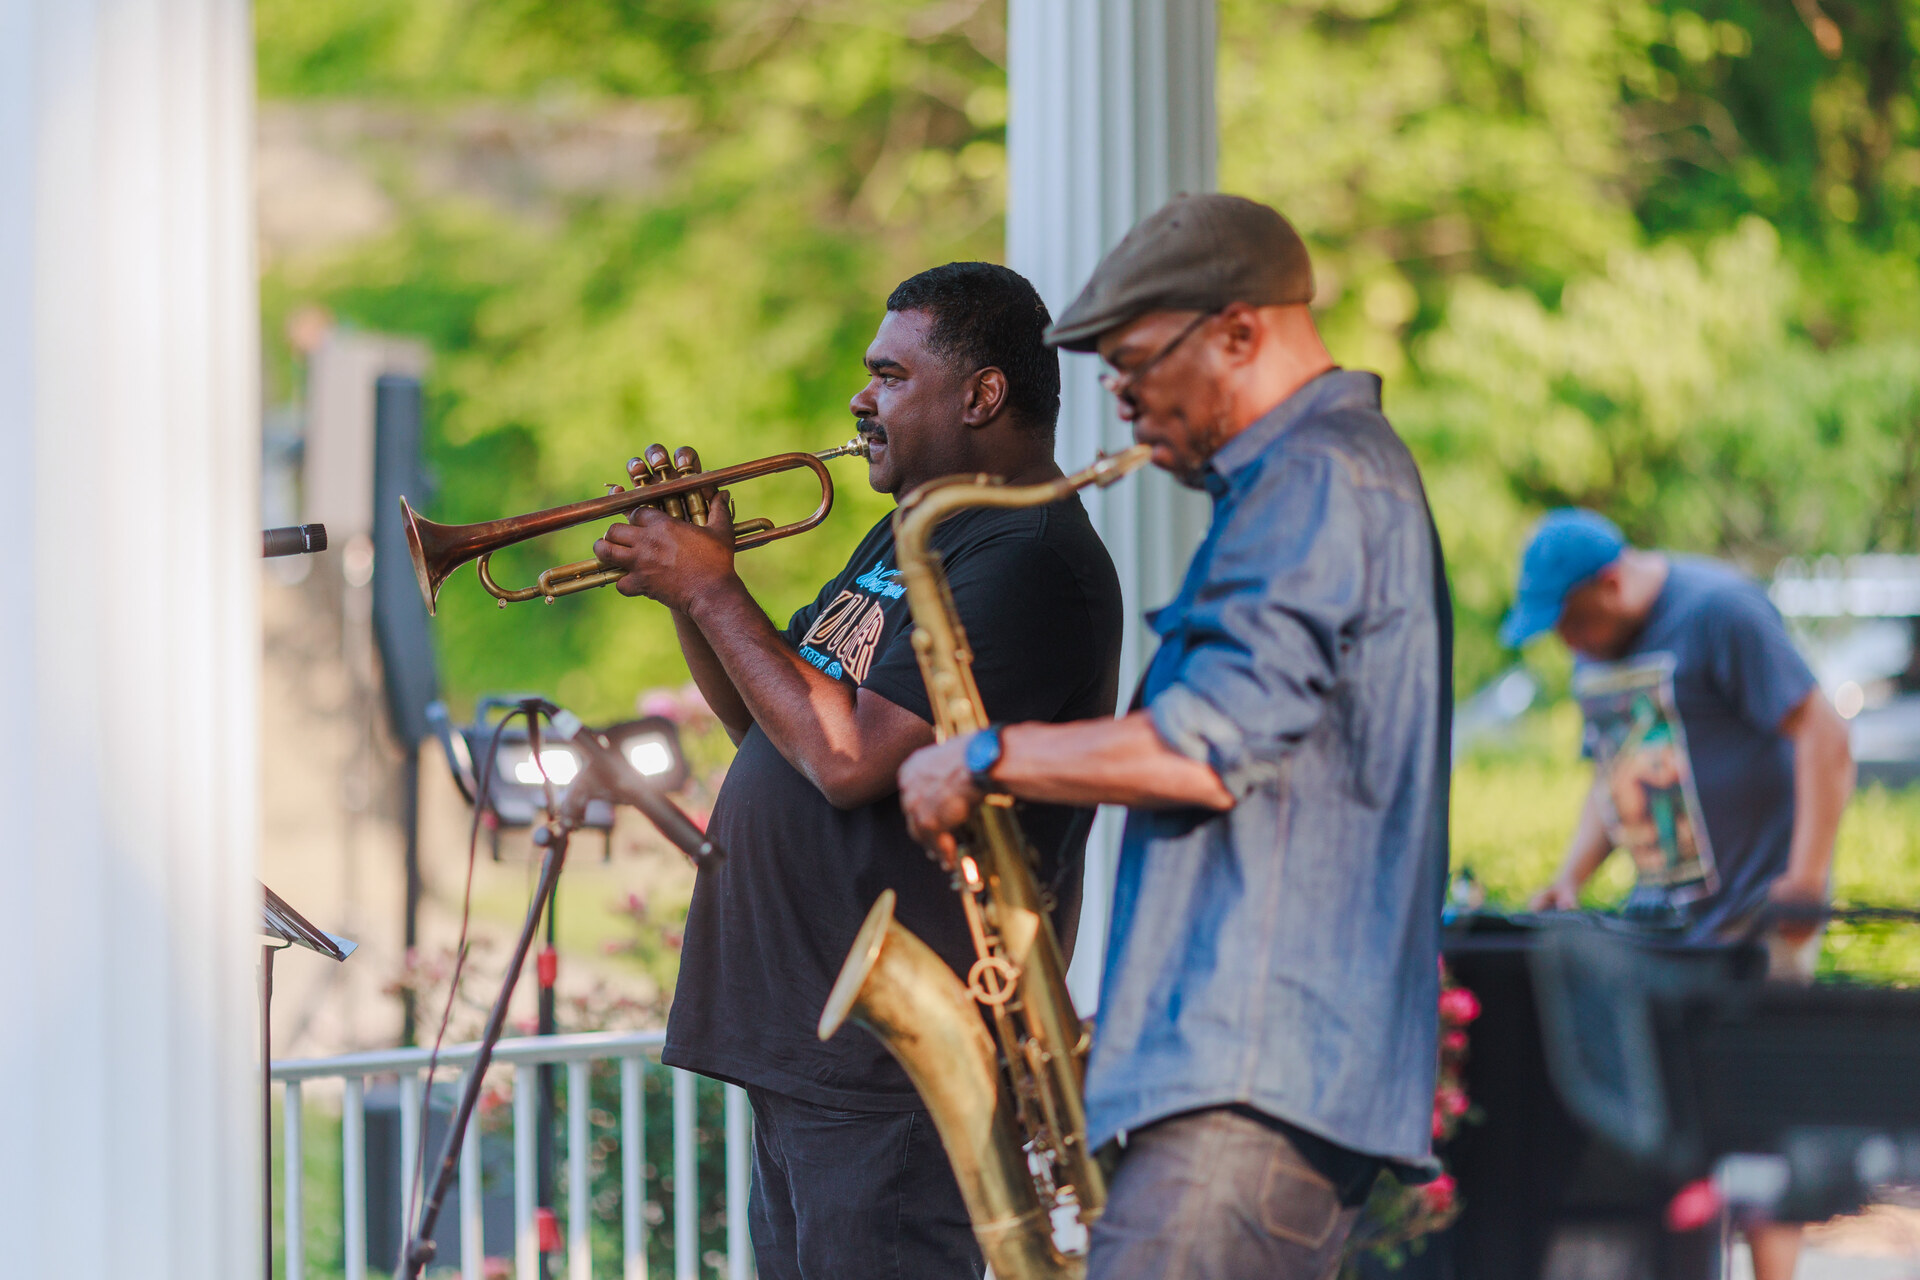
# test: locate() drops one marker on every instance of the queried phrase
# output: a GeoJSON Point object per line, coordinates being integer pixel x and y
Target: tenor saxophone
{"type": "Point", "coordinates": [1005, 1090]}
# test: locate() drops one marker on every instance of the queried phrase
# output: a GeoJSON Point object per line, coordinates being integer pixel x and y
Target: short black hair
{"type": "Point", "coordinates": [987, 316]}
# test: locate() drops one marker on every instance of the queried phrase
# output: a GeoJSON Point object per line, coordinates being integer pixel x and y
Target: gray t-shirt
{"type": "Point", "coordinates": [1685, 731]}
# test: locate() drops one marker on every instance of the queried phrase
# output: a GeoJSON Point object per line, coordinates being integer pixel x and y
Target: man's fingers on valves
{"type": "Point", "coordinates": [615, 547]}
{"type": "Point", "coordinates": [619, 548]}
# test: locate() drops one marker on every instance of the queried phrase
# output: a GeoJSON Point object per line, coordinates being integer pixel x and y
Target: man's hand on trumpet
{"type": "Point", "coordinates": [676, 557]}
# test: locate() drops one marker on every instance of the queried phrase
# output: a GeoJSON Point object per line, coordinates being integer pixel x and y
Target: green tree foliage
{"type": "Point", "coordinates": [818, 154]}
{"type": "Point", "coordinates": [1654, 257]}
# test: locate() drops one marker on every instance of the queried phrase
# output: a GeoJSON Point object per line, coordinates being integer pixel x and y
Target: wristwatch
{"type": "Point", "coordinates": [983, 753]}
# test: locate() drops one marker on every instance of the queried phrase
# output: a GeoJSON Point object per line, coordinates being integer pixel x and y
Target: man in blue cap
{"type": "Point", "coordinates": [1719, 765]}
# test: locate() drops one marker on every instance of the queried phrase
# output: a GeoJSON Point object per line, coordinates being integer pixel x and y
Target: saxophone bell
{"type": "Point", "coordinates": [895, 986]}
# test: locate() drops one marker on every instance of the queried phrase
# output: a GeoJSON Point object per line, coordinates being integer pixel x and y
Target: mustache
{"type": "Point", "coordinates": [872, 429]}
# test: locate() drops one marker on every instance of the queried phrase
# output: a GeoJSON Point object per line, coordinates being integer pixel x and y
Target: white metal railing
{"type": "Point", "coordinates": [633, 1051]}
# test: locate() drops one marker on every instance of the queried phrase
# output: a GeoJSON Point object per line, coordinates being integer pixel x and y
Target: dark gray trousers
{"type": "Point", "coordinates": [1217, 1195]}
{"type": "Point", "coordinates": [854, 1195]}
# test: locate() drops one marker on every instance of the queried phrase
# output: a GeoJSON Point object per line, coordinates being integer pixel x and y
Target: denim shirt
{"type": "Point", "coordinates": [1284, 954]}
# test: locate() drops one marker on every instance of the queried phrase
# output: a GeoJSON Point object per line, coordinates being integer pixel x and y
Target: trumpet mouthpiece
{"type": "Point", "coordinates": [854, 448]}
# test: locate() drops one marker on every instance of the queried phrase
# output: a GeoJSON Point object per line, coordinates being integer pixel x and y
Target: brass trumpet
{"type": "Point", "coordinates": [679, 486]}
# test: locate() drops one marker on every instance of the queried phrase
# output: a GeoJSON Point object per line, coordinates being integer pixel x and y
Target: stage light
{"type": "Point", "coordinates": [560, 765]}
{"type": "Point", "coordinates": [650, 756]}
{"type": "Point", "coordinates": [516, 795]}
{"type": "Point", "coordinates": [651, 745]}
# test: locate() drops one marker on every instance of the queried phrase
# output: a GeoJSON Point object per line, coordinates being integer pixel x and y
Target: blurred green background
{"type": "Point", "coordinates": [1662, 259]}
{"type": "Point", "coordinates": [1657, 258]}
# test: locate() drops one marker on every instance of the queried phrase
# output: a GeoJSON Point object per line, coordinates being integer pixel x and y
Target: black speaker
{"type": "Point", "coordinates": [400, 625]}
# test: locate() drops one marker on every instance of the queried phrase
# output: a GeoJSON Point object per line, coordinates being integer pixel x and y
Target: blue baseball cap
{"type": "Point", "coordinates": [1568, 547]}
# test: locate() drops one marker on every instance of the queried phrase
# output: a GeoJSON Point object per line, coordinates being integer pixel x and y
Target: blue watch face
{"type": "Point", "coordinates": [983, 752]}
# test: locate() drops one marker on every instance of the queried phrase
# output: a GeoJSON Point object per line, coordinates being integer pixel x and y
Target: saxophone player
{"type": "Point", "coordinates": [850, 1179]}
{"type": "Point", "coordinates": [1267, 1031]}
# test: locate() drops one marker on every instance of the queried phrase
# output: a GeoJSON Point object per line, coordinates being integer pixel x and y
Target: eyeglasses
{"type": "Point", "coordinates": [1120, 384]}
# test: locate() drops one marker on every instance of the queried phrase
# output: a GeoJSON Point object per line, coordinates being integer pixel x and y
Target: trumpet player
{"type": "Point", "coordinates": [850, 1179]}
{"type": "Point", "coordinates": [1267, 1028]}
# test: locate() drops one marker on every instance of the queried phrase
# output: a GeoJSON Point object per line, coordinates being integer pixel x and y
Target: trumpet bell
{"type": "Point", "coordinates": [431, 576]}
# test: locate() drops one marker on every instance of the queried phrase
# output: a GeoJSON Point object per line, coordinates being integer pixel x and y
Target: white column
{"type": "Point", "coordinates": [129, 1105]}
{"type": "Point", "coordinates": [1112, 113]}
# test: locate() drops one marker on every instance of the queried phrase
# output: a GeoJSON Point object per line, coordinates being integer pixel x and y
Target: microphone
{"type": "Point", "coordinates": [294, 540]}
{"type": "Point", "coordinates": [627, 785]}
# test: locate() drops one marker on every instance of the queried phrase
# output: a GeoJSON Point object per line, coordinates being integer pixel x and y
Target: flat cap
{"type": "Point", "coordinates": [1197, 253]}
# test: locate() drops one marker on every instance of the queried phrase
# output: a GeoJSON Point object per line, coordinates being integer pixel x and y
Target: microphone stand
{"type": "Point", "coordinates": [605, 777]}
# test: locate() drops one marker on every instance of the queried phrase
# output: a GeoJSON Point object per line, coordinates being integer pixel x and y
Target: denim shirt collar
{"type": "Point", "coordinates": [1337, 388]}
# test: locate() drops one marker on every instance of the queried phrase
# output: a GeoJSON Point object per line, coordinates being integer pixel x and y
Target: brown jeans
{"type": "Point", "coordinates": [1217, 1195]}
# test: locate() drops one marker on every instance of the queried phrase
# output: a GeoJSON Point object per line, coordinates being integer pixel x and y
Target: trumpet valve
{"type": "Point", "coordinates": [686, 462]}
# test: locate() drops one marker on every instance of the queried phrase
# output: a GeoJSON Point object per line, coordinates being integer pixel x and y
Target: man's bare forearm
{"type": "Point", "coordinates": [848, 750]}
{"type": "Point", "coordinates": [794, 704]}
{"type": "Point", "coordinates": [710, 675]}
{"type": "Point", "coordinates": [846, 742]}
{"type": "Point", "coordinates": [1590, 845]}
{"type": "Point", "coordinates": [1823, 776]}
{"type": "Point", "coordinates": [1087, 762]}
{"type": "Point", "coordinates": [1091, 762]}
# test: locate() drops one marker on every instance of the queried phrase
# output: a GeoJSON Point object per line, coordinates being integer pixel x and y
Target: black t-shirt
{"type": "Point", "coordinates": [770, 926]}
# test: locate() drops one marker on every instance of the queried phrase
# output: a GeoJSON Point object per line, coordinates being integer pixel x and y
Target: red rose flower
{"type": "Point", "coordinates": [1694, 1206]}
{"type": "Point", "coordinates": [1454, 1042]}
{"type": "Point", "coordinates": [1459, 1006]}
{"type": "Point", "coordinates": [1438, 1195]}
{"type": "Point", "coordinates": [1452, 1102]}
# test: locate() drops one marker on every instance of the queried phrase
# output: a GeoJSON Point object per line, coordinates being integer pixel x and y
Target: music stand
{"type": "Point", "coordinates": [279, 920]}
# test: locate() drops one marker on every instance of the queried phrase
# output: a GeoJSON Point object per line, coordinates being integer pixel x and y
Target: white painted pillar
{"type": "Point", "coordinates": [1111, 114]}
{"type": "Point", "coordinates": [129, 545]}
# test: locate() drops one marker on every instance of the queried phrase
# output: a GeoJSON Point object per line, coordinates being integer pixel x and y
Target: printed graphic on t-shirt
{"type": "Point", "coordinates": [1639, 747]}
{"type": "Point", "coordinates": [882, 581]}
{"type": "Point", "coordinates": [844, 638]}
